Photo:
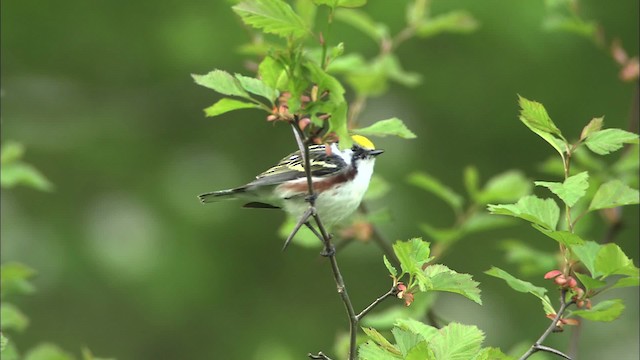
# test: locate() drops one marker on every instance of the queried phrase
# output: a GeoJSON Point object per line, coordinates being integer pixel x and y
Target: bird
{"type": "Point", "coordinates": [340, 179]}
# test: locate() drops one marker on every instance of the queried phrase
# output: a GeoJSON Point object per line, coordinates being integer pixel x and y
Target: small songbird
{"type": "Point", "coordinates": [340, 178]}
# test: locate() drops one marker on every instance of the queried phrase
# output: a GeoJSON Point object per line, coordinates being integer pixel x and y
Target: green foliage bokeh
{"type": "Point", "coordinates": [131, 265]}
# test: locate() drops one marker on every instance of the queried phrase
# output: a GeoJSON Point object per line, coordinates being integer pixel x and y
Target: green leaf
{"type": "Point", "coordinates": [432, 185]}
{"type": "Point", "coordinates": [361, 21]}
{"type": "Point", "coordinates": [14, 278]}
{"type": "Point", "coordinates": [372, 351]}
{"type": "Point", "coordinates": [341, 3]}
{"type": "Point", "coordinates": [413, 254]}
{"type": "Point", "coordinates": [405, 340]}
{"type": "Point", "coordinates": [380, 340]}
{"type": "Point", "coordinates": [533, 209]}
{"type": "Point", "coordinates": [611, 260]}
{"type": "Point", "coordinates": [222, 82]}
{"type": "Point", "coordinates": [535, 117]}
{"type": "Point", "coordinates": [225, 105]}
{"type": "Point", "coordinates": [491, 353]}
{"type": "Point", "coordinates": [258, 87]}
{"type": "Point", "coordinates": [563, 237]}
{"type": "Point", "coordinates": [457, 342]}
{"type": "Point", "coordinates": [272, 73]}
{"type": "Point", "coordinates": [472, 182]}
{"type": "Point", "coordinates": [338, 125]}
{"type": "Point", "coordinates": [452, 22]}
{"type": "Point", "coordinates": [392, 270]}
{"type": "Point", "coordinates": [444, 279]}
{"type": "Point", "coordinates": [587, 253]}
{"type": "Point", "coordinates": [11, 318]}
{"type": "Point", "coordinates": [614, 193]}
{"type": "Point", "coordinates": [589, 282]}
{"type": "Point", "coordinates": [48, 351]}
{"type": "Point", "coordinates": [631, 281]}
{"type": "Point", "coordinates": [19, 173]}
{"type": "Point", "coordinates": [11, 151]}
{"type": "Point", "coordinates": [395, 72]}
{"type": "Point", "coordinates": [382, 128]}
{"type": "Point", "coordinates": [520, 285]}
{"type": "Point", "coordinates": [571, 190]}
{"type": "Point", "coordinates": [413, 326]}
{"type": "Point", "coordinates": [507, 186]}
{"type": "Point", "coordinates": [593, 126]}
{"type": "Point", "coordinates": [420, 352]}
{"type": "Point", "coordinates": [3, 342]}
{"type": "Point", "coordinates": [607, 141]}
{"type": "Point", "coordinates": [608, 310]}
{"type": "Point", "coordinates": [272, 16]}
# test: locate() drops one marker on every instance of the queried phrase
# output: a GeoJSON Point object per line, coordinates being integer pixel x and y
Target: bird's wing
{"type": "Point", "coordinates": [291, 167]}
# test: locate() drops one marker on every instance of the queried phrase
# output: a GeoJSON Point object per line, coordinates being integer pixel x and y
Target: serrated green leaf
{"type": "Point", "coordinates": [425, 331]}
{"type": "Point", "coordinates": [457, 342]}
{"type": "Point", "coordinates": [413, 254]}
{"type": "Point", "coordinates": [563, 237]}
{"type": "Point", "coordinates": [361, 21]}
{"type": "Point", "coordinates": [589, 282]}
{"type": "Point", "coordinates": [508, 186]}
{"type": "Point", "coordinates": [608, 310]}
{"type": "Point", "coordinates": [517, 284]}
{"type": "Point", "coordinates": [225, 105]}
{"type": "Point", "coordinates": [272, 16]}
{"type": "Point", "coordinates": [372, 351]}
{"type": "Point", "coordinates": [593, 126]}
{"type": "Point", "coordinates": [380, 340]}
{"type": "Point", "coordinates": [222, 82]}
{"type": "Point", "coordinates": [326, 82]}
{"type": "Point", "coordinates": [307, 11]}
{"type": "Point", "coordinates": [11, 318]}
{"type": "Point", "coordinates": [258, 87]}
{"type": "Point", "coordinates": [420, 352]}
{"type": "Point", "coordinates": [492, 354]}
{"type": "Point", "coordinates": [587, 253]}
{"type": "Point", "coordinates": [434, 186]}
{"type": "Point", "coordinates": [533, 209]}
{"type": "Point", "coordinates": [444, 279]}
{"type": "Point", "coordinates": [382, 128]}
{"type": "Point", "coordinates": [46, 351]}
{"type": "Point", "coordinates": [611, 260]}
{"type": "Point", "coordinates": [392, 270]}
{"type": "Point", "coordinates": [405, 340]}
{"type": "Point", "coordinates": [535, 115]}
{"type": "Point", "coordinates": [571, 190]}
{"type": "Point", "coordinates": [607, 141]}
{"type": "Point", "coordinates": [458, 21]}
{"type": "Point", "coordinates": [614, 193]}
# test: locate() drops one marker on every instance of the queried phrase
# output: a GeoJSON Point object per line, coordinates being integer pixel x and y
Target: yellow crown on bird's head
{"type": "Point", "coordinates": [363, 142]}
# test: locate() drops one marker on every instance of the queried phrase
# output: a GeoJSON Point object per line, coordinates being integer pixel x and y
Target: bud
{"type": "Point", "coordinates": [303, 123]}
{"type": "Point", "coordinates": [571, 282]}
{"type": "Point", "coordinates": [552, 274]}
{"type": "Point", "coordinates": [560, 280]}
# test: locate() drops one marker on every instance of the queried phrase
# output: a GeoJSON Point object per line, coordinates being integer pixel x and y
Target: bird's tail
{"type": "Point", "coordinates": [216, 196]}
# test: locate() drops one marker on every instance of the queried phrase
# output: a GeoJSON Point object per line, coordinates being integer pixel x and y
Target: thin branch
{"type": "Point", "coordinates": [537, 346]}
{"type": "Point", "coordinates": [392, 292]}
{"type": "Point", "coordinates": [319, 355]}
{"type": "Point", "coordinates": [329, 249]}
{"type": "Point", "coordinates": [304, 220]}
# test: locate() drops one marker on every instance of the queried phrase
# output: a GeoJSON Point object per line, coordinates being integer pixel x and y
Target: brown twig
{"type": "Point", "coordinates": [537, 346]}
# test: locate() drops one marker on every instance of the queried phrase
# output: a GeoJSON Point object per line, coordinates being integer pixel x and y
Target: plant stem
{"type": "Point", "coordinates": [537, 346]}
{"type": "Point", "coordinates": [329, 249]}
{"type": "Point", "coordinates": [392, 292]}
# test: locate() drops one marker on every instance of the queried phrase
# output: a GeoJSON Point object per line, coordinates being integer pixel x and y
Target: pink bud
{"type": "Point", "coordinates": [552, 274]}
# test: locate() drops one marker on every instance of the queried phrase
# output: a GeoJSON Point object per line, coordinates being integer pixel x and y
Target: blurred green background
{"type": "Point", "coordinates": [132, 266]}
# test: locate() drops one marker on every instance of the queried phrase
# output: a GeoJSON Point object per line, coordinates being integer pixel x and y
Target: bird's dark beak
{"type": "Point", "coordinates": [375, 152]}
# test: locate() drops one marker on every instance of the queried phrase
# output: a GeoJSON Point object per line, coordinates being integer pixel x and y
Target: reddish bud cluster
{"type": "Point", "coordinates": [629, 67]}
{"type": "Point", "coordinates": [404, 293]}
{"type": "Point", "coordinates": [564, 281]}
